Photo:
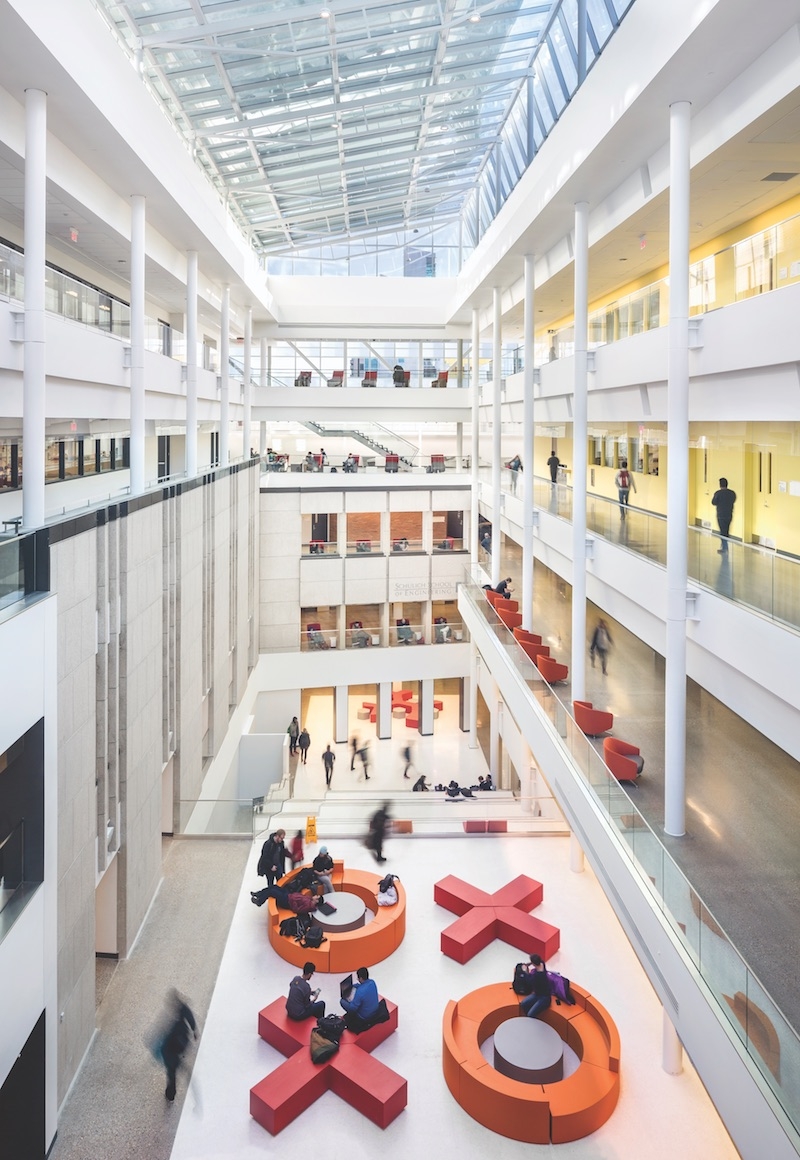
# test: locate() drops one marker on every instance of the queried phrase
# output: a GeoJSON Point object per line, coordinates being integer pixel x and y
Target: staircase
{"type": "Point", "coordinates": [371, 440]}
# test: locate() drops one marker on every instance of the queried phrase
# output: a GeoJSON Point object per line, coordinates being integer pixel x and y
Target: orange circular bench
{"type": "Point", "coordinates": [533, 1113]}
{"type": "Point", "coordinates": [351, 949]}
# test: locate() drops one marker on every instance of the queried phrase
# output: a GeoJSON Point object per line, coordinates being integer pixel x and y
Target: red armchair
{"type": "Point", "coordinates": [551, 670]}
{"type": "Point", "coordinates": [622, 758]}
{"type": "Point", "coordinates": [592, 721]}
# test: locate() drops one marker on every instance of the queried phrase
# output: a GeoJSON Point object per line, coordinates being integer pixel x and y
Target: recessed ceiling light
{"type": "Point", "coordinates": [778, 176]}
{"type": "Point", "coordinates": [325, 14]}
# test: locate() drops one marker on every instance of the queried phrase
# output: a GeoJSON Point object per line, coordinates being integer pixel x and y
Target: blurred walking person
{"type": "Point", "coordinates": [378, 829]}
{"type": "Point", "coordinates": [180, 1027]}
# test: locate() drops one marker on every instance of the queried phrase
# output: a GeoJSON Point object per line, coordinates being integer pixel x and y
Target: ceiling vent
{"type": "Point", "coordinates": [779, 177]}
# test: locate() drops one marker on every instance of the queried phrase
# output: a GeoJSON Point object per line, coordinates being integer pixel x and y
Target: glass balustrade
{"type": "Point", "coordinates": [742, 1002]}
{"type": "Point", "coordinates": [747, 574]}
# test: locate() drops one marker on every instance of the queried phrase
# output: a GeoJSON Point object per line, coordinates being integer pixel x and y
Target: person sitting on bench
{"type": "Point", "coordinates": [405, 634]}
{"type": "Point", "coordinates": [362, 1006]}
{"type": "Point", "coordinates": [420, 785]}
{"type": "Point", "coordinates": [303, 1003]}
{"type": "Point", "coordinates": [322, 866]}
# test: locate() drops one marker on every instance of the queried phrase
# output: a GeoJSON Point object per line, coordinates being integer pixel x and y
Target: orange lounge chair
{"type": "Point", "coordinates": [551, 670]}
{"type": "Point", "coordinates": [622, 758]}
{"type": "Point", "coordinates": [592, 721]}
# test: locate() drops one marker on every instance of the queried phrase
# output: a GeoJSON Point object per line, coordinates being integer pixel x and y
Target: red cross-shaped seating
{"type": "Point", "coordinates": [365, 1083]}
{"type": "Point", "coordinates": [485, 917]}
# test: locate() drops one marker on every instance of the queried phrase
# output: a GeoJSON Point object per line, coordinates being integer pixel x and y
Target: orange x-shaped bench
{"type": "Point", "coordinates": [365, 1083]}
{"type": "Point", "coordinates": [485, 917]}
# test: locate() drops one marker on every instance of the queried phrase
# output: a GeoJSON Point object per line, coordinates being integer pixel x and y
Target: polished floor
{"type": "Point", "coordinates": [740, 851]}
{"type": "Point", "coordinates": [661, 1114]}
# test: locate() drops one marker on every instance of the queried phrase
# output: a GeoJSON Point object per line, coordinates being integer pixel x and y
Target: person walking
{"type": "Point", "coordinates": [363, 753]}
{"type": "Point", "coordinates": [623, 482]}
{"type": "Point", "coordinates": [296, 849]}
{"type": "Point", "coordinates": [294, 733]}
{"type": "Point", "coordinates": [405, 753]}
{"type": "Point", "coordinates": [378, 827]}
{"type": "Point", "coordinates": [601, 644]}
{"type": "Point", "coordinates": [553, 464]}
{"type": "Point", "coordinates": [328, 759]}
{"type": "Point", "coordinates": [354, 747]}
{"type": "Point", "coordinates": [303, 744]}
{"type": "Point", "coordinates": [723, 500]}
{"type": "Point", "coordinates": [180, 1028]}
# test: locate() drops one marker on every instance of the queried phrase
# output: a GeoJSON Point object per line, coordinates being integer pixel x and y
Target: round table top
{"type": "Point", "coordinates": [349, 915]}
{"type": "Point", "coordinates": [526, 1048]}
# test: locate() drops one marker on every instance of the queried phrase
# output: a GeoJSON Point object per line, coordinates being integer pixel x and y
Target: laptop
{"type": "Point", "coordinates": [346, 987]}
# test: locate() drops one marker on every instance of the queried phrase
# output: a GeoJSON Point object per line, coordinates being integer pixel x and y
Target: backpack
{"type": "Point", "coordinates": [522, 983]}
{"type": "Point", "coordinates": [624, 481]}
{"type": "Point", "coordinates": [386, 882]}
{"type": "Point", "coordinates": [561, 991]}
{"type": "Point", "coordinates": [304, 879]}
{"type": "Point", "coordinates": [332, 1027]}
{"type": "Point", "coordinates": [312, 937]}
{"type": "Point", "coordinates": [289, 927]}
{"type": "Point", "coordinates": [321, 1048]}
{"type": "Point", "coordinates": [302, 903]}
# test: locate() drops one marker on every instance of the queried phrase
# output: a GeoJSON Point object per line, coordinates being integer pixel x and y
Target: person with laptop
{"type": "Point", "coordinates": [361, 1006]}
{"type": "Point", "coordinates": [303, 1003]}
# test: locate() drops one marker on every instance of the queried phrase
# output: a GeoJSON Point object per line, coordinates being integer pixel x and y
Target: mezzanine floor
{"type": "Point", "coordinates": [740, 851]}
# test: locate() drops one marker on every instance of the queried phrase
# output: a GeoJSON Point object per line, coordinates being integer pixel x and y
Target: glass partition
{"type": "Point", "coordinates": [741, 1000]}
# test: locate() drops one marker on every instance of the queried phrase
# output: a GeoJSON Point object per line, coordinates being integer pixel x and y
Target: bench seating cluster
{"type": "Point", "coordinates": [533, 1113]}
{"type": "Point", "coordinates": [365, 1083]}
{"type": "Point", "coordinates": [346, 950]}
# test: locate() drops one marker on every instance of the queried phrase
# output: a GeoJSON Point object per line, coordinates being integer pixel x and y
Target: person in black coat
{"type": "Point", "coordinates": [378, 828]}
{"type": "Point", "coordinates": [272, 863]}
{"type": "Point", "coordinates": [180, 1028]}
{"type": "Point", "coordinates": [303, 743]}
{"type": "Point", "coordinates": [723, 500]}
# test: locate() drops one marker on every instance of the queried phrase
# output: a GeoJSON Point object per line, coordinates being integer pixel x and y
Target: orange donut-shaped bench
{"type": "Point", "coordinates": [351, 949]}
{"type": "Point", "coordinates": [533, 1113]}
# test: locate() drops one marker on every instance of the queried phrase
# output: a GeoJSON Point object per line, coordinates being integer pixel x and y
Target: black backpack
{"type": "Point", "coordinates": [303, 880]}
{"type": "Point", "coordinates": [522, 983]}
{"type": "Point", "coordinates": [289, 927]}
{"type": "Point", "coordinates": [312, 938]}
{"type": "Point", "coordinates": [386, 882]}
{"type": "Point", "coordinates": [332, 1027]}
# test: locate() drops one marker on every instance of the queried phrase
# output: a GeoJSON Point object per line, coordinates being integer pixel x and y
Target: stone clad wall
{"type": "Point", "coordinates": [150, 654]}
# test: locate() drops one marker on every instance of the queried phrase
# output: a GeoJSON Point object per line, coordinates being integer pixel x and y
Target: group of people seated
{"type": "Point", "coordinates": [405, 633]}
{"type": "Point", "coordinates": [454, 791]}
{"type": "Point", "coordinates": [361, 1006]}
{"type": "Point", "coordinates": [350, 465]}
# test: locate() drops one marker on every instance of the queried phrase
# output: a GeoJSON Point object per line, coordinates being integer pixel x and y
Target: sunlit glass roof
{"type": "Point", "coordinates": [323, 121]}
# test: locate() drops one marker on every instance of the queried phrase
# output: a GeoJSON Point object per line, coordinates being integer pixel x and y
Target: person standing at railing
{"type": "Point", "coordinates": [624, 481]}
{"type": "Point", "coordinates": [723, 500]}
{"type": "Point", "coordinates": [515, 467]}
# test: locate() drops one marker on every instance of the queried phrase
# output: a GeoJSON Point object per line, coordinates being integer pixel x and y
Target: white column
{"type": "Point", "coordinates": [475, 437]}
{"type": "Point", "coordinates": [225, 378]}
{"type": "Point", "coordinates": [459, 446]}
{"type": "Point", "coordinates": [495, 724]}
{"type": "Point", "coordinates": [579, 437]}
{"type": "Point", "coordinates": [671, 1046]}
{"type": "Point", "coordinates": [262, 368]}
{"type": "Point", "coordinates": [425, 707]}
{"type": "Point", "coordinates": [191, 363]}
{"type": "Point", "coordinates": [473, 697]}
{"type": "Point", "coordinates": [33, 374]}
{"type": "Point", "coordinates": [137, 344]}
{"type": "Point", "coordinates": [497, 355]}
{"type": "Point", "coordinates": [384, 713]}
{"type": "Point", "coordinates": [262, 438]}
{"type": "Point", "coordinates": [339, 714]}
{"type": "Point", "coordinates": [576, 863]}
{"type": "Point", "coordinates": [677, 471]}
{"type": "Point", "coordinates": [526, 605]}
{"type": "Point", "coordinates": [247, 400]}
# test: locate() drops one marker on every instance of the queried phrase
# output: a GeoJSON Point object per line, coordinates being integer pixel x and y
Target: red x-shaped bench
{"type": "Point", "coordinates": [502, 915]}
{"type": "Point", "coordinates": [365, 1083]}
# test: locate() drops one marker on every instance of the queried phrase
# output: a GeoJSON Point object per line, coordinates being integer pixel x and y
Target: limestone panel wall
{"type": "Point", "coordinates": [157, 614]}
{"type": "Point", "coordinates": [279, 570]}
{"type": "Point", "coordinates": [140, 572]}
{"type": "Point", "coordinates": [73, 571]}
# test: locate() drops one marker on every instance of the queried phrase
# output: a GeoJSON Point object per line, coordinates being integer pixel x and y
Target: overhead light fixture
{"type": "Point", "coordinates": [325, 14]}
{"type": "Point", "coordinates": [474, 16]}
